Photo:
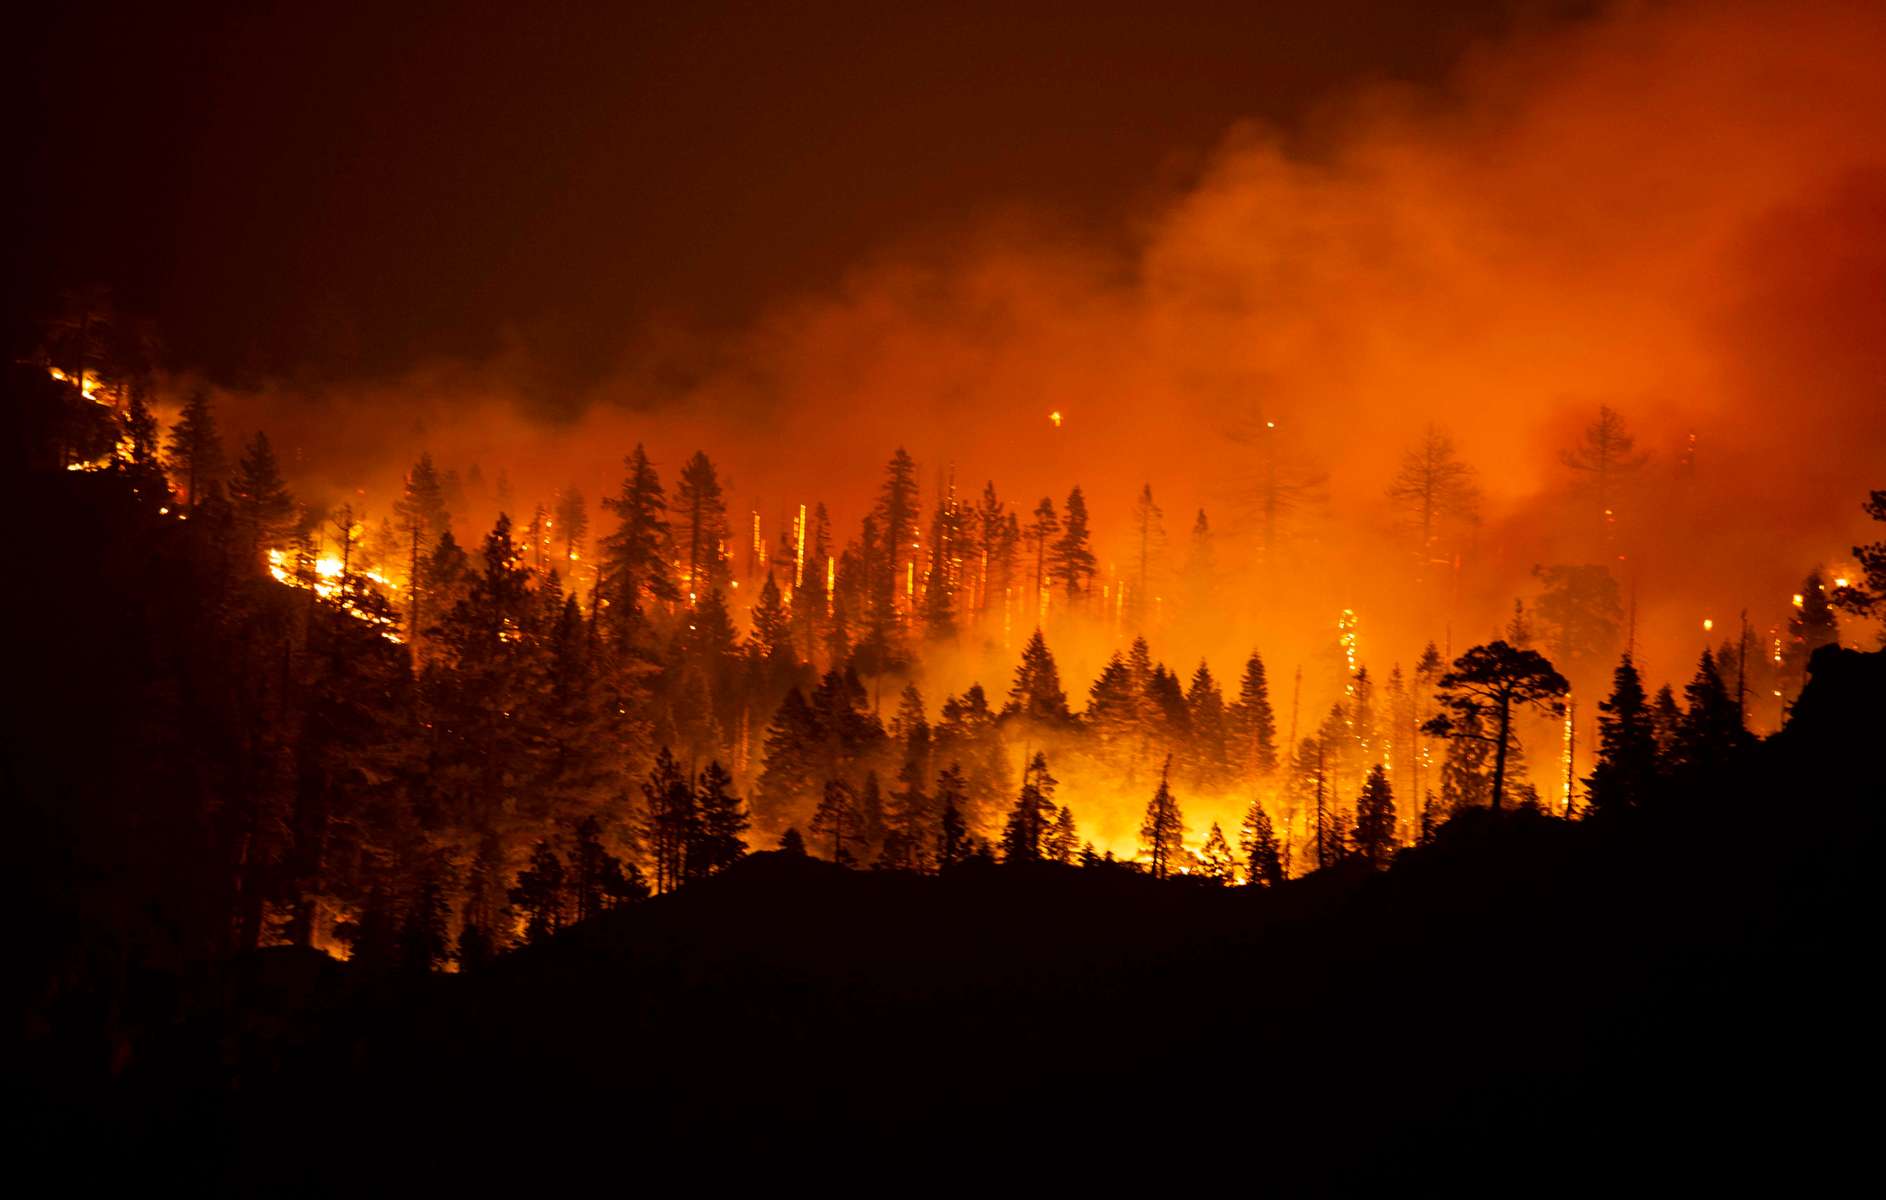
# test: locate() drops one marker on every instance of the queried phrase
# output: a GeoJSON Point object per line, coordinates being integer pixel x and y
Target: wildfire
{"type": "Point", "coordinates": [331, 580]}
{"type": "Point", "coordinates": [1055, 418]}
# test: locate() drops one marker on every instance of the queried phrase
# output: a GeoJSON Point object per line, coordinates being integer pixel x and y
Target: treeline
{"type": "Point", "coordinates": [379, 737]}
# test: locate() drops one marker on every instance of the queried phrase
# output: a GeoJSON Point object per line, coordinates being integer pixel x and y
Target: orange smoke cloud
{"type": "Point", "coordinates": [1676, 210]}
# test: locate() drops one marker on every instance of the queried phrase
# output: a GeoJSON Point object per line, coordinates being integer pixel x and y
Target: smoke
{"type": "Point", "coordinates": [1678, 211]}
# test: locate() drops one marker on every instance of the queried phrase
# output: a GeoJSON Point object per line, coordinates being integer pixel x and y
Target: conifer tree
{"type": "Point", "coordinates": [263, 510]}
{"type": "Point", "coordinates": [837, 819]}
{"type": "Point", "coordinates": [1073, 560]}
{"type": "Point", "coordinates": [1251, 725]}
{"type": "Point", "coordinates": [1605, 459]}
{"type": "Point", "coordinates": [423, 935]}
{"type": "Point", "coordinates": [952, 837]}
{"type": "Point", "coordinates": [634, 558]}
{"type": "Point", "coordinates": [1866, 595]}
{"type": "Point", "coordinates": [1488, 682]}
{"type": "Point", "coordinates": [1036, 694]}
{"type": "Point", "coordinates": [1042, 528]}
{"type": "Point", "coordinates": [1162, 833]}
{"type": "Point", "coordinates": [1208, 754]}
{"type": "Point", "coordinates": [1032, 816]}
{"type": "Point", "coordinates": [196, 449]}
{"type": "Point", "coordinates": [1149, 538]}
{"type": "Point", "coordinates": [701, 512]}
{"type": "Point", "coordinates": [1711, 729]}
{"type": "Point", "coordinates": [669, 820]}
{"type": "Point", "coordinates": [1215, 859]}
{"type": "Point", "coordinates": [422, 519]}
{"type": "Point", "coordinates": [539, 893]}
{"type": "Point", "coordinates": [1062, 840]}
{"type": "Point", "coordinates": [1626, 771]}
{"type": "Point", "coordinates": [1374, 834]}
{"type": "Point", "coordinates": [771, 636]}
{"type": "Point", "coordinates": [1811, 626]}
{"type": "Point", "coordinates": [1666, 723]}
{"type": "Point", "coordinates": [720, 831]}
{"type": "Point", "coordinates": [1263, 861]}
{"type": "Point", "coordinates": [572, 528]}
{"type": "Point", "coordinates": [1432, 485]}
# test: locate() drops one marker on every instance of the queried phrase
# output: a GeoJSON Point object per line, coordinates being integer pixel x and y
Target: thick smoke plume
{"type": "Point", "coordinates": [1678, 211]}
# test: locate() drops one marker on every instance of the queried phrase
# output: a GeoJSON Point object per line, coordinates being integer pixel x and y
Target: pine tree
{"type": "Point", "coordinates": [720, 831]}
{"type": "Point", "coordinates": [1811, 626]}
{"type": "Point", "coordinates": [1581, 613]}
{"type": "Point", "coordinates": [837, 818]}
{"type": "Point", "coordinates": [635, 556]}
{"type": "Point", "coordinates": [1200, 577]}
{"type": "Point", "coordinates": [1626, 771]}
{"type": "Point", "coordinates": [771, 637]}
{"type": "Point", "coordinates": [264, 512]}
{"type": "Point", "coordinates": [1263, 862]}
{"type": "Point", "coordinates": [1606, 459]}
{"type": "Point", "coordinates": [1032, 815]}
{"type": "Point", "coordinates": [1431, 486]}
{"type": "Point", "coordinates": [144, 464]}
{"type": "Point", "coordinates": [1374, 832]}
{"type": "Point", "coordinates": [1489, 682]}
{"type": "Point", "coordinates": [423, 520]}
{"type": "Point", "coordinates": [669, 819]}
{"type": "Point", "coordinates": [1208, 758]}
{"type": "Point", "coordinates": [1042, 528]}
{"type": "Point", "coordinates": [701, 512]}
{"type": "Point", "coordinates": [1666, 724]}
{"type": "Point", "coordinates": [1036, 694]}
{"type": "Point", "coordinates": [572, 528]}
{"type": "Point", "coordinates": [1149, 539]}
{"type": "Point", "coordinates": [423, 935]}
{"type": "Point", "coordinates": [196, 449]}
{"type": "Point", "coordinates": [1215, 859]}
{"type": "Point", "coordinates": [1162, 833]}
{"type": "Point", "coordinates": [1073, 562]}
{"type": "Point", "coordinates": [952, 838]}
{"type": "Point", "coordinates": [1062, 840]}
{"type": "Point", "coordinates": [1866, 595]}
{"type": "Point", "coordinates": [1711, 729]}
{"type": "Point", "coordinates": [539, 893]}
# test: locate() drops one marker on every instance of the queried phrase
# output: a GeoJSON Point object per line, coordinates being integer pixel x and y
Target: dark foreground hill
{"type": "Point", "coordinates": [1685, 999]}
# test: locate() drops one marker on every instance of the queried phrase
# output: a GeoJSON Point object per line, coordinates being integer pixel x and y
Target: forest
{"type": "Point", "coordinates": [262, 726]}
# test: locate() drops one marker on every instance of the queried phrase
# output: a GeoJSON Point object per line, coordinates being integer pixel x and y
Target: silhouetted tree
{"type": "Point", "coordinates": [1580, 612]}
{"type": "Point", "coordinates": [1036, 694]}
{"type": "Point", "coordinates": [263, 511]}
{"type": "Point", "coordinates": [1605, 458]}
{"type": "Point", "coordinates": [1252, 724]}
{"type": "Point", "coordinates": [1214, 858]}
{"type": "Point", "coordinates": [1626, 770]}
{"type": "Point", "coordinates": [539, 893]}
{"type": "Point", "coordinates": [720, 829]}
{"type": "Point", "coordinates": [1162, 833]}
{"type": "Point", "coordinates": [1032, 815]}
{"type": "Point", "coordinates": [1488, 682]}
{"type": "Point", "coordinates": [1263, 859]}
{"type": "Point", "coordinates": [1867, 595]}
{"type": "Point", "coordinates": [196, 449]}
{"type": "Point", "coordinates": [669, 818]}
{"type": "Point", "coordinates": [701, 512]}
{"type": "Point", "coordinates": [1374, 833]}
{"type": "Point", "coordinates": [837, 818]}
{"type": "Point", "coordinates": [1432, 485]}
{"type": "Point", "coordinates": [1073, 560]}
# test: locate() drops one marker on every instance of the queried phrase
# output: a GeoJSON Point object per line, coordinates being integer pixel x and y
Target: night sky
{"type": "Point", "coordinates": [332, 192]}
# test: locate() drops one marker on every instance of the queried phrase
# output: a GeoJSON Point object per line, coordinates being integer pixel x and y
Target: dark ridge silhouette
{"type": "Point", "coordinates": [1670, 999]}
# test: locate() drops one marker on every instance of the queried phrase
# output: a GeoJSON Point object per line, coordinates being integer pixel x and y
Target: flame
{"type": "Point", "coordinates": [1055, 418]}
